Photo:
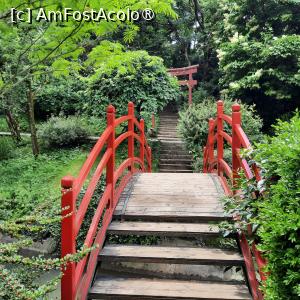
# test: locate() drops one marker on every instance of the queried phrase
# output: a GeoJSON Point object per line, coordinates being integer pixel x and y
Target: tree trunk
{"type": "Point", "coordinates": [13, 125]}
{"type": "Point", "coordinates": [30, 102]}
{"type": "Point", "coordinates": [186, 54]}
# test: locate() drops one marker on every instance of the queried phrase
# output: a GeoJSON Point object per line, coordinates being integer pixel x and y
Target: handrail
{"type": "Point", "coordinates": [77, 277]}
{"type": "Point", "coordinates": [215, 163]}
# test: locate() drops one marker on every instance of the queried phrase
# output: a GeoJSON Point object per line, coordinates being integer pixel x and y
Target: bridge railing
{"type": "Point", "coordinates": [77, 277]}
{"type": "Point", "coordinates": [213, 162]}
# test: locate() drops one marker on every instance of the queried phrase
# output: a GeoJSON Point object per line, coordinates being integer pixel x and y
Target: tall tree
{"type": "Point", "coordinates": [29, 51]}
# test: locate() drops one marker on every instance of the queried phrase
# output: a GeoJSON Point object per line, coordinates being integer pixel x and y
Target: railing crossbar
{"type": "Point", "coordinates": [77, 276]}
{"type": "Point", "coordinates": [213, 162]}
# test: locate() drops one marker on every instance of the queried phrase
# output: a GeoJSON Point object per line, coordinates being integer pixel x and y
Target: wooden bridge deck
{"type": "Point", "coordinates": [167, 205]}
{"type": "Point", "coordinates": [167, 196]}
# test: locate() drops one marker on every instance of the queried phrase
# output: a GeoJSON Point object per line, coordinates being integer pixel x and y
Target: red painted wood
{"type": "Point", "coordinates": [91, 189]}
{"type": "Point", "coordinates": [211, 140]}
{"type": "Point", "coordinates": [254, 285]}
{"type": "Point", "coordinates": [153, 122]}
{"type": "Point", "coordinates": [92, 232]}
{"type": "Point", "coordinates": [149, 159]}
{"type": "Point", "coordinates": [110, 168]}
{"type": "Point", "coordinates": [131, 137]}
{"type": "Point", "coordinates": [220, 141]}
{"type": "Point", "coordinates": [228, 119]}
{"type": "Point", "coordinates": [225, 168]}
{"type": "Point", "coordinates": [123, 119]}
{"type": "Point", "coordinates": [142, 143]}
{"type": "Point", "coordinates": [211, 161]}
{"type": "Point", "coordinates": [236, 144]}
{"type": "Point", "coordinates": [226, 136]}
{"type": "Point", "coordinates": [68, 245]}
{"type": "Point", "coordinates": [190, 83]}
{"type": "Point", "coordinates": [84, 172]}
{"type": "Point", "coordinates": [77, 277]}
{"type": "Point", "coordinates": [244, 141]}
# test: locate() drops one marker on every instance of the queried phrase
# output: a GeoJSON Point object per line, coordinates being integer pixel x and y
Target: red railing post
{"type": "Point", "coordinates": [150, 160]}
{"type": "Point", "coordinates": [220, 140]}
{"type": "Point", "coordinates": [68, 238]}
{"type": "Point", "coordinates": [205, 170]}
{"type": "Point", "coordinates": [190, 88]}
{"type": "Point", "coordinates": [142, 145]}
{"type": "Point", "coordinates": [210, 143]}
{"type": "Point", "coordinates": [236, 120]}
{"type": "Point", "coordinates": [131, 137]}
{"type": "Point", "coordinates": [110, 169]}
{"type": "Point", "coordinates": [153, 121]}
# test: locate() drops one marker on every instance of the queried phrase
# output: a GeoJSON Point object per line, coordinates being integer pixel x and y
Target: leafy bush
{"type": "Point", "coordinates": [270, 66]}
{"type": "Point", "coordinates": [63, 131]}
{"type": "Point", "coordinates": [137, 77]}
{"type": "Point", "coordinates": [193, 125]}
{"type": "Point", "coordinates": [7, 148]}
{"type": "Point", "coordinates": [279, 212]}
{"type": "Point", "coordinates": [60, 95]}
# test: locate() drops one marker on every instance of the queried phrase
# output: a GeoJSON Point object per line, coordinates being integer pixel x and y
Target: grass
{"type": "Point", "coordinates": [3, 124]}
{"type": "Point", "coordinates": [27, 182]}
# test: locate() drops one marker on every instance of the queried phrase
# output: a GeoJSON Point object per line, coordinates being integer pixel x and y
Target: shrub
{"type": "Point", "coordinates": [7, 148]}
{"type": "Point", "coordinates": [137, 77]}
{"type": "Point", "coordinates": [193, 125]}
{"type": "Point", "coordinates": [60, 95]}
{"type": "Point", "coordinates": [279, 212]}
{"type": "Point", "coordinates": [63, 131]}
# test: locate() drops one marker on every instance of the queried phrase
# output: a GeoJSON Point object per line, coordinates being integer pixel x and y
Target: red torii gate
{"type": "Point", "coordinates": [190, 83]}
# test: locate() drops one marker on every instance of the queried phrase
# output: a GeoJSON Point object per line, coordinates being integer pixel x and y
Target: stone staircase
{"type": "Point", "coordinates": [173, 156]}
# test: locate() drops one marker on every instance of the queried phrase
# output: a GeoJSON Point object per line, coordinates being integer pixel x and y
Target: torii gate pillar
{"type": "Point", "coordinates": [190, 83]}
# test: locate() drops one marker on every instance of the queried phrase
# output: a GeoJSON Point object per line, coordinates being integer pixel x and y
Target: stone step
{"type": "Point", "coordinates": [176, 166]}
{"type": "Point", "coordinates": [174, 171]}
{"type": "Point", "coordinates": [172, 133]}
{"type": "Point", "coordinates": [169, 138]}
{"type": "Point", "coordinates": [181, 161]}
{"type": "Point", "coordinates": [169, 158]}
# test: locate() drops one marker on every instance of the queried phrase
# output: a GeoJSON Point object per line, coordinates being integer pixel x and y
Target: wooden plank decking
{"type": "Point", "coordinates": [147, 289]}
{"type": "Point", "coordinates": [167, 205]}
{"type": "Point", "coordinates": [190, 196]}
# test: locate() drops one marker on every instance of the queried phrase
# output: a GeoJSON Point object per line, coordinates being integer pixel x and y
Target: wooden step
{"type": "Point", "coordinates": [166, 229]}
{"type": "Point", "coordinates": [121, 288]}
{"type": "Point", "coordinates": [172, 255]}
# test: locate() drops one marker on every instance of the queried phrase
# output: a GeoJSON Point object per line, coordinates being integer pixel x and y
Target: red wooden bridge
{"type": "Point", "coordinates": [136, 202]}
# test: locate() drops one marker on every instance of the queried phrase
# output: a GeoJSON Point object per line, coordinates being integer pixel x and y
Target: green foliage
{"type": "Point", "coordinates": [40, 47]}
{"type": "Point", "coordinates": [270, 67]}
{"type": "Point", "coordinates": [193, 125]}
{"type": "Point", "coordinates": [31, 53]}
{"type": "Point", "coordinates": [60, 95]}
{"type": "Point", "coordinates": [7, 148]}
{"type": "Point", "coordinates": [258, 50]}
{"type": "Point", "coordinates": [19, 274]}
{"type": "Point", "coordinates": [279, 212]}
{"type": "Point", "coordinates": [272, 207]}
{"type": "Point", "coordinates": [134, 76]}
{"type": "Point", "coordinates": [60, 132]}
{"type": "Point", "coordinates": [28, 183]}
